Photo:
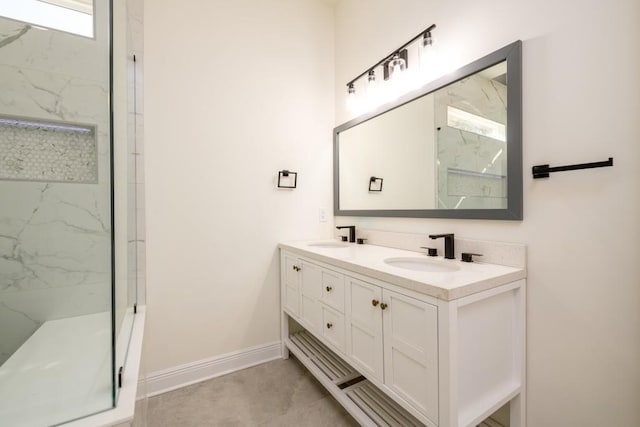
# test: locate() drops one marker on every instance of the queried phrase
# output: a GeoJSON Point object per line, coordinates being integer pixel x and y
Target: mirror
{"type": "Point", "coordinates": [453, 149]}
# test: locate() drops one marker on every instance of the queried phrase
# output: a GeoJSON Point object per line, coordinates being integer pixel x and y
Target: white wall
{"type": "Point", "coordinates": [234, 92]}
{"type": "Point", "coordinates": [581, 85]}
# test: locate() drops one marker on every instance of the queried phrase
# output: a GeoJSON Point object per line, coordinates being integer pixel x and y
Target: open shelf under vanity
{"type": "Point", "coordinates": [362, 399]}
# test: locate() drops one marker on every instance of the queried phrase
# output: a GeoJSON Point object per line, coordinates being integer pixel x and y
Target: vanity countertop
{"type": "Point", "coordinates": [368, 260]}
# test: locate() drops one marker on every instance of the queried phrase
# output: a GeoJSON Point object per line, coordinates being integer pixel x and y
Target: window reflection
{"type": "Point", "coordinates": [72, 16]}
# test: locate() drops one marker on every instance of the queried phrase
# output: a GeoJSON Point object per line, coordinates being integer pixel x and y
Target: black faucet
{"type": "Point", "coordinates": [352, 231]}
{"type": "Point", "coordinates": [449, 252]}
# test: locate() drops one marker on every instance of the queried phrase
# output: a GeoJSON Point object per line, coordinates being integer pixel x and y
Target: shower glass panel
{"type": "Point", "coordinates": [57, 323]}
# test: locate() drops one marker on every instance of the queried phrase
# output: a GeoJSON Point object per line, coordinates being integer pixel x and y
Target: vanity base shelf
{"type": "Point", "coordinates": [379, 407]}
{"type": "Point", "coordinates": [368, 405]}
{"type": "Point", "coordinates": [332, 366]}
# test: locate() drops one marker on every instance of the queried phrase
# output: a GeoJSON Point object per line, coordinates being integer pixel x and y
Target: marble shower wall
{"type": "Point", "coordinates": [55, 253]}
{"type": "Point", "coordinates": [472, 168]}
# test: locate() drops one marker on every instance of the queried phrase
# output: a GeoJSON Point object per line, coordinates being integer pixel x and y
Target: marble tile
{"type": "Point", "coordinates": [139, 159]}
{"type": "Point", "coordinates": [141, 289]}
{"type": "Point", "coordinates": [141, 261]}
{"type": "Point", "coordinates": [65, 54]}
{"type": "Point", "coordinates": [54, 235]}
{"type": "Point", "coordinates": [135, 16]}
{"type": "Point", "coordinates": [54, 255]}
{"type": "Point", "coordinates": [276, 393]}
{"type": "Point", "coordinates": [140, 209]}
{"type": "Point", "coordinates": [139, 129]}
{"type": "Point", "coordinates": [131, 133]}
{"type": "Point", "coordinates": [34, 93]}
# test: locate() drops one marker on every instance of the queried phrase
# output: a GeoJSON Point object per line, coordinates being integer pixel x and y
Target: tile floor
{"type": "Point", "coordinates": [278, 393]}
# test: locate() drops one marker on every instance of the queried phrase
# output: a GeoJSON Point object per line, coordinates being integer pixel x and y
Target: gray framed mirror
{"type": "Point", "coordinates": [452, 149]}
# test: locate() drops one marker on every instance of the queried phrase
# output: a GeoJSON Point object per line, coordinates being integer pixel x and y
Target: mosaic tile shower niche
{"type": "Point", "coordinates": [34, 150]}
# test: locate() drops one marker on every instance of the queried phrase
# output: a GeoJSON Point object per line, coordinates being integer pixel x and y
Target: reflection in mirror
{"type": "Point", "coordinates": [454, 150]}
{"type": "Point", "coordinates": [471, 118]}
{"type": "Point", "coordinates": [71, 16]}
{"type": "Point", "coordinates": [396, 147]}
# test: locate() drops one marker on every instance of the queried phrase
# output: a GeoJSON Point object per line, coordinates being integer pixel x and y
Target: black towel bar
{"type": "Point", "coordinates": [543, 171]}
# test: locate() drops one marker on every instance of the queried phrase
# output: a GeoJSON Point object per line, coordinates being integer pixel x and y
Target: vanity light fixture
{"type": "Point", "coordinates": [393, 65]}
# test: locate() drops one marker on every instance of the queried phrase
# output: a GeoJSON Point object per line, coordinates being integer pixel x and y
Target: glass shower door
{"type": "Point", "coordinates": [56, 253]}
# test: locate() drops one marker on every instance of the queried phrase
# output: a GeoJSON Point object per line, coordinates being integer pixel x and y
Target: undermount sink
{"type": "Point", "coordinates": [329, 244]}
{"type": "Point", "coordinates": [421, 264]}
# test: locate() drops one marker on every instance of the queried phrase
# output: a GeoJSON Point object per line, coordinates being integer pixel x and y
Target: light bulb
{"type": "Point", "coordinates": [396, 66]}
{"type": "Point", "coordinates": [428, 57]}
{"type": "Point", "coordinates": [352, 101]}
{"type": "Point", "coordinates": [397, 79]}
{"type": "Point", "coordinates": [373, 91]}
{"type": "Point", "coordinates": [371, 77]}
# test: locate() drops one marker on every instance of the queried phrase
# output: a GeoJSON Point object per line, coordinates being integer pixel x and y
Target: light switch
{"type": "Point", "coordinates": [322, 214]}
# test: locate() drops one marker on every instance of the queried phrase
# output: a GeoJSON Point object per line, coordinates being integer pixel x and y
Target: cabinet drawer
{"type": "Point", "coordinates": [332, 289]}
{"type": "Point", "coordinates": [333, 327]}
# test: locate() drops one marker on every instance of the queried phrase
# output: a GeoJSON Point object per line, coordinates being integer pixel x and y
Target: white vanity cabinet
{"type": "Point", "coordinates": [319, 294]}
{"type": "Point", "coordinates": [393, 338]}
{"type": "Point", "coordinates": [395, 356]}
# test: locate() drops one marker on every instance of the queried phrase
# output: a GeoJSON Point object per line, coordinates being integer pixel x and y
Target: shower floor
{"type": "Point", "coordinates": [60, 373]}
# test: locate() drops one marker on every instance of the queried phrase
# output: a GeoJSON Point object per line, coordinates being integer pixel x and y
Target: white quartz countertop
{"type": "Point", "coordinates": [368, 260]}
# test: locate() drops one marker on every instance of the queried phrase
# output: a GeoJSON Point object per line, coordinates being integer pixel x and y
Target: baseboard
{"type": "Point", "coordinates": [181, 376]}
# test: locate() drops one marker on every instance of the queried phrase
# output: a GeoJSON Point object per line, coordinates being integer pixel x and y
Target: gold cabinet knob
{"type": "Point", "coordinates": [328, 288]}
{"type": "Point", "coordinates": [375, 302]}
{"type": "Point", "coordinates": [383, 306]}
{"type": "Point", "coordinates": [329, 325]}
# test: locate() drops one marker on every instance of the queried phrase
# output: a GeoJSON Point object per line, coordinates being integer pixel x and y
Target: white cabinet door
{"type": "Point", "coordinates": [291, 284]}
{"type": "Point", "coordinates": [311, 292]}
{"type": "Point", "coordinates": [364, 327]}
{"type": "Point", "coordinates": [411, 351]}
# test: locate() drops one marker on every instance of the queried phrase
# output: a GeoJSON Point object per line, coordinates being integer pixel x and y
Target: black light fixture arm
{"type": "Point", "coordinates": [388, 57]}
